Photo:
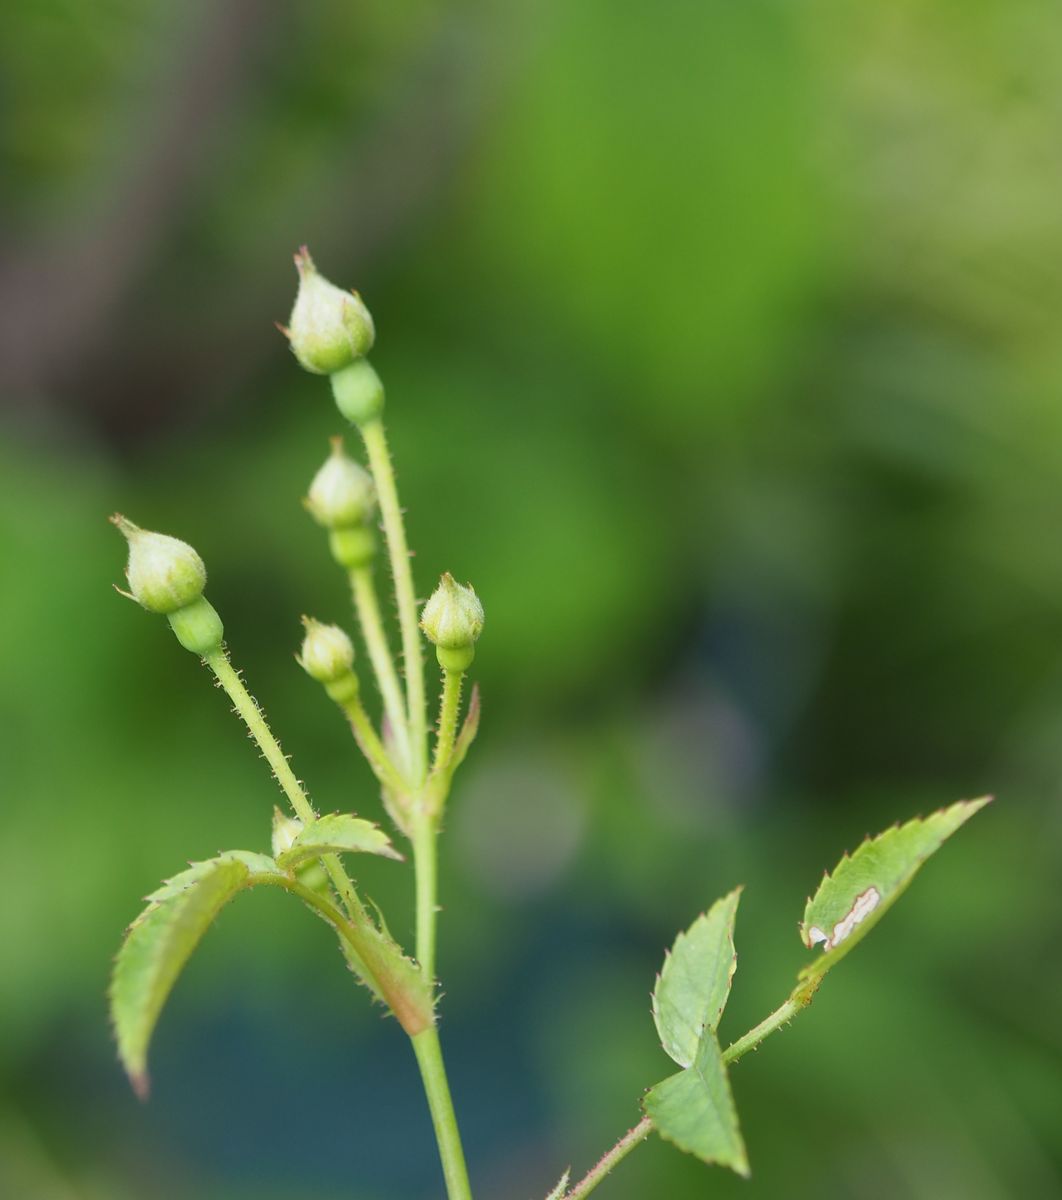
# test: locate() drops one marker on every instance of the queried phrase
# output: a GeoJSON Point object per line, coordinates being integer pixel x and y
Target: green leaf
{"type": "Point", "coordinates": [160, 941]}
{"type": "Point", "coordinates": [695, 1110]}
{"type": "Point", "coordinates": [851, 901]}
{"type": "Point", "coordinates": [694, 983]}
{"type": "Point", "coordinates": [338, 833]}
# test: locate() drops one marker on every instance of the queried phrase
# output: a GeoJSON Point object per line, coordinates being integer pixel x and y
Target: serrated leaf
{"type": "Point", "coordinates": [694, 983]}
{"type": "Point", "coordinates": [850, 901]}
{"type": "Point", "coordinates": [695, 1110]}
{"type": "Point", "coordinates": [561, 1188]}
{"type": "Point", "coordinates": [158, 944]}
{"type": "Point", "coordinates": [337, 833]}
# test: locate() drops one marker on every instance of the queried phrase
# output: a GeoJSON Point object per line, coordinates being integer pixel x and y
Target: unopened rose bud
{"type": "Point", "coordinates": [327, 653]}
{"type": "Point", "coordinates": [164, 573]}
{"type": "Point", "coordinates": [167, 576]}
{"type": "Point", "coordinates": [453, 620]}
{"type": "Point", "coordinates": [329, 328]}
{"type": "Point", "coordinates": [342, 493]}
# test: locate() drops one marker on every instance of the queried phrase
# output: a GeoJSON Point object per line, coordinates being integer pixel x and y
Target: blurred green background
{"type": "Point", "coordinates": [722, 347]}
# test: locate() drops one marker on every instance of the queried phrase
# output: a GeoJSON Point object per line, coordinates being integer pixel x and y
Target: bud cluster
{"type": "Point", "coordinates": [167, 576]}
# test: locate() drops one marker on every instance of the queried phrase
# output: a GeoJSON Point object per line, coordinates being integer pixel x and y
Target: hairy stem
{"type": "Point", "coordinates": [634, 1137]}
{"type": "Point", "coordinates": [749, 1041]}
{"type": "Point", "coordinates": [437, 1089]}
{"type": "Point", "coordinates": [394, 529]}
{"type": "Point", "coordinates": [247, 708]}
{"type": "Point", "coordinates": [367, 607]}
{"type": "Point", "coordinates": [449, 710]}
{"type": "Point", "coordinates": [425, 1044]}
{"type": "Point", "coordinates": [368, 739]}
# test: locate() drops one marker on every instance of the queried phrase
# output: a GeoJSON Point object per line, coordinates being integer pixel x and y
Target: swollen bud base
{"type": "Point", "coordinates": [198, 627]}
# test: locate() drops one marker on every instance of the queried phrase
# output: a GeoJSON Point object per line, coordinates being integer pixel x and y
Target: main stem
{"type": "Point", "coordinates": [394, 529]}
{"type": "Point", "coordinates": [634, 1137]}
{"type": "Point", "coordinates": [424, 833]}
{"type": "Point", "coordinates": [433, 1073]}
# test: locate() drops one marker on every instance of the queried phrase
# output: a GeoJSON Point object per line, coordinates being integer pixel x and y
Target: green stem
{"type": "Point", "coordinates": [247, 708]}
{"type": "Point", "coordinates": [781, 1016]}
{"type": "Point", "coordinates": [394, 529]}
{"type": "Point", "coordinates": [425, 866]}
{"type": "Point", "coordinates": [425, 1044]}
{"type": "Point", "coordinates": [449, 710]}
{"type": "Point", "coordinates": [437, 1089]}
{"type": "Point", "coordinates": [367, 607]}
{"type": "Point", "coordinates": [371, 746]}
{"type": "Point", "coordinates": [634, 1137]}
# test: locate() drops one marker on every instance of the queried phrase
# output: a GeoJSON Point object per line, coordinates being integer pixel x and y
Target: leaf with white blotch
{"type": "Point", "coordinates": [851, 901]}
{"type": "Point", "coordinates": [160, 941]}
{"type": "Point", "coordinates": [337, 833]}
{"type": "Point", "coordinates": [561, 1188]}
{"type": "Point", "coordinates": [694, 983]}
{"type": "Point", "coordinates": [695, 1110]}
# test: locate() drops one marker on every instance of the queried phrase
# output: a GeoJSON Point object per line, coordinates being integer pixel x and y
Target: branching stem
{"type": "Point", "coordinates": [634, 1137]}
{"type": "Point", "coordinates": [247, 708]}
{"type": "Point", "coordinates": [367, 606]}
{"type": "Point", "coordinates": [394, 529]}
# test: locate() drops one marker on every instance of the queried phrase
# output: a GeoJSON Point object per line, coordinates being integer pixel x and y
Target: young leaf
{"type": "Point", "coordinates": [694, 983]}
{"type": "Point", "coordinates": [338, 833]}
{"type": "Point", "coordinates": [159, 943]}
{"type": "Point", "coordinates": [851, 901]}
{"type": "Point", "coordinates": [695, 1110]}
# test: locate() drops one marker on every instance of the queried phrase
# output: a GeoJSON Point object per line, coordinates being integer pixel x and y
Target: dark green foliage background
{"type": "Point", "coordinates": [722, 344]}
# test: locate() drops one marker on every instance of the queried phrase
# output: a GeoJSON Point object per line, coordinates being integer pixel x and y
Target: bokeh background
{"type": "Point", "coordinates": [723, 355]}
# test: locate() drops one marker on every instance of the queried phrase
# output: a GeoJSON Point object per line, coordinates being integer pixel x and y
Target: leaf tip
{"type": "Point", "coordinates": [141, 1083]}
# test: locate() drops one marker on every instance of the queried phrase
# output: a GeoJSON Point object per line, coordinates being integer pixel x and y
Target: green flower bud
{"type": "Point", "coordinates": [329, 328]}
{"type": "Point", "coordinates": [285, 830]}
{"type": "Point", "coordinates": [164, 574]}
{"type": "Point", "coordinates": [198, 627]}
{"type": "Point", "coordinates": [342, 492]}
{"type": "Point", "coordinates": [358, 392]}
{"type": "Point", "coordinates": [453, 620]}
{"type": "Point", "coordinates": [327, 653]}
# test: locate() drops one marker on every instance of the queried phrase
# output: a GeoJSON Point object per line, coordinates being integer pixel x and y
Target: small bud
{"type": "Point", "coordinates": [329, 328]}
{"type": "Point", "coordinates": [327, 653]}
{"type": "Point", "coordinates": [164, 574]}
{"type": "Point", "coordinates": [342, 493]}
{"type": "Point", "coordinates": [453, 620]}
{"type": "Point", "coordinates": [358, 392]}
{"type": "Point", "coordinates": [285, 830]}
